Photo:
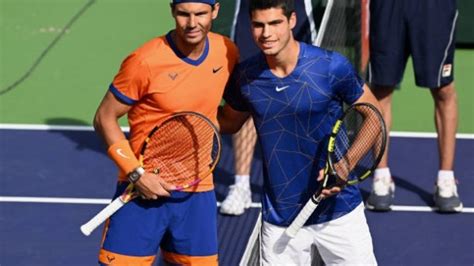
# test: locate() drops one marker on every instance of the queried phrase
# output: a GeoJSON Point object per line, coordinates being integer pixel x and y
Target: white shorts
{"type": "Point", "coordinates": [343, 241]}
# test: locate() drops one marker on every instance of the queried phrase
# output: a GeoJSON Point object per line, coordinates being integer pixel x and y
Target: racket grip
{"type": "Point", "coordinates": [99, 218]}
{"type": "Point", "coordinates": [302, 217]}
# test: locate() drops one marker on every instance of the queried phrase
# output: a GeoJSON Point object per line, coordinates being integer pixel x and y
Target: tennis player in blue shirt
{"type": "Point", "coordinates": [239, 197]}
{"type": "Point", "coordinates": [295, 92]}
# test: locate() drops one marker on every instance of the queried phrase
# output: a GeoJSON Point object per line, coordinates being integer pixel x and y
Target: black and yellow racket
{"type": "Point", "coordinates": [355, 147]}
{"type": "Point", "coordinates": [183, 150]}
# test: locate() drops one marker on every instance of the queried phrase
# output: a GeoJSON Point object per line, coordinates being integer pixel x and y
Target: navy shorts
{"type": "Point", "coordinates": [183, 226]}
{"type": "Point", "coordinates": [423, 29]}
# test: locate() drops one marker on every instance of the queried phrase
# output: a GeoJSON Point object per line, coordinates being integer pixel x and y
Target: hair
{"type": "Point", "coordinates": [288, 6]}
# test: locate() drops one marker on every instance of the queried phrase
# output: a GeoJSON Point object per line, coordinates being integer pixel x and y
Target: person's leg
{"type": "Point", "coordinates": [191, 238]}
{"type": "Point", "coordinates": [244, 147]}
{"type": "Point", "coordinates": [446, 120]}
{"type": "Point", "coordinates": [132, 235]}
{"type": "Point", "coordinates": [433, 61]}
{"type": "Point", "coordinates": [388, 56]}
{"type": "Point", "coordinates": [382, 195]}
{"type": "Point", "coordinates": [278, 249]}
{"type": "Point", "coordinates": [345, 240]}
{"type": "Point", "coordinates": [239, 196]}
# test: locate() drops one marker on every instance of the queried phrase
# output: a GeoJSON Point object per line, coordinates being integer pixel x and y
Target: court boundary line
{"type": "Point", "coordinates": [98, 201]}
{"type": "Point", "coordinates": [405, 134]}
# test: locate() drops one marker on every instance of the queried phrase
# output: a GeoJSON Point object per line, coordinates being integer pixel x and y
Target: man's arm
{"type": "Point", "coordinates": [366, 97]}
{"type": "Point", "coordinates": [230, 120]}
{"type": "Point", "coordinates": [107, 126]}
{"type": "Point", "coordinates": [106, 119]}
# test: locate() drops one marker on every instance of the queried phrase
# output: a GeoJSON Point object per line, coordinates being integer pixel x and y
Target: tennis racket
{"type": "Point", "coordinates": [183, 150]}
{"type": "Point", "coordinates": [356, 145]}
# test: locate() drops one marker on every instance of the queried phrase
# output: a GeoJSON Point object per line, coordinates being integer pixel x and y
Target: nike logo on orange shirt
{"type": "Point", "coordinates": [120, 152]}
{"type": "Point", "coordinates": [215, 70]}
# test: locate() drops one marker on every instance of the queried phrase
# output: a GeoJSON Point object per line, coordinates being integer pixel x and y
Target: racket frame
{"type": "Point", "coordinates": [330, 172]}
{"type": "Point", "coordinates": [130, 193]}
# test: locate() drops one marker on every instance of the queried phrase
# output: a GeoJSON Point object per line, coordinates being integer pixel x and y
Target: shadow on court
{"type": "Point", "coordinates": [401, 183]}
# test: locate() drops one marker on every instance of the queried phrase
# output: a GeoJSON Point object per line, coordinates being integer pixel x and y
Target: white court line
{"type": "Point", "coordinates": [126, 129]}
{"type": "Point", "coordinates": [107, 201]}
{"type": "Point", "coordinates": [54, 200]}
{"type": "Point", "coordinates": [404, 208]}
{"type": "Point", "coordinates": [426, 135]}
{"type": "Point", "coordinates": [50, 127]}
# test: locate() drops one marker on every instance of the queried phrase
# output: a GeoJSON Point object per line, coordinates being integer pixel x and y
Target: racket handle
{"type": "Point", "coordinates": [99, 218]}
{"type": "Point", "coordinates": [302, 217]}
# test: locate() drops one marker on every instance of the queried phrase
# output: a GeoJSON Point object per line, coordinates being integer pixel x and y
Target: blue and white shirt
{"type": "Point", "coordinates": [293, 117]}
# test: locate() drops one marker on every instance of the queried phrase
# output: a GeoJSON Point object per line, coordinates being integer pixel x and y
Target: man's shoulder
{"type": "Point", "coordinates": [222, 40]}
{"type": "Point", "coordinates": [217, 36]}
{"type": "Point", "coordinates": [150, 47]}
{"type": "Point", "coordinates": [152, 44]}
{"type": "Point", "coordinates": [311, 51]}
{"type": "Point", "coordinates": [333, 58]}
{"type": "Point", "coordinates": [222, 47]}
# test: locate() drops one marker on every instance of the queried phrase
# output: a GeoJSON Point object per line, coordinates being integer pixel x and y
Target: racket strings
{"type": "Point", "coordinates": [182, 150]}
{"type": "Point", "coordinates": [358, 144]}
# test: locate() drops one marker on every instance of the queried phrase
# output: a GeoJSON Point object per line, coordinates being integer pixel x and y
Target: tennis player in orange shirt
{"type": "Point", "coordinates": [184, 70]}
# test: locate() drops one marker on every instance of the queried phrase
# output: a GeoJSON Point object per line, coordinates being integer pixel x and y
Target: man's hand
{"type": "Point", "coordinates": [151, 186]}
{"type": "Point", "coordinates": [328, 192]}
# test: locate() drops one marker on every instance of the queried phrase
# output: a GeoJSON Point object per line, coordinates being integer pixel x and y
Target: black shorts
{"type": "Point", "coordinates": [423, 29]}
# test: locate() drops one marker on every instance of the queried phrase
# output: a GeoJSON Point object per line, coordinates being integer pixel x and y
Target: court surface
{"type": "Point", "coordinates": [54, 180]}
{"type": "Point", "coordinates": [57, 60]}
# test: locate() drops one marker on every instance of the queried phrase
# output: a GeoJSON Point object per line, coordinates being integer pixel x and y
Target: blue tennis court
{"type": "Point", "coordinates": [53, 180]}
